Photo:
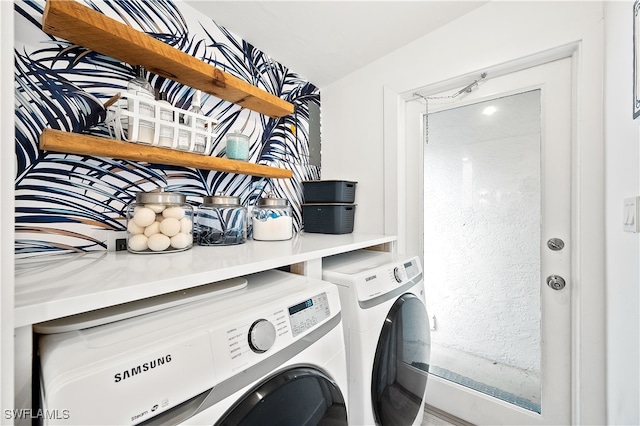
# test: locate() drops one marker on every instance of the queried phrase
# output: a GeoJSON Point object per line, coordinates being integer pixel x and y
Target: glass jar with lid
{"type": "Point", "coordinates": [159, 222]}
{"type": "Point", "coordinates": [221, 220]}
{"type": "Point", "coordinates": [272, 220]}
{"type": "Point", "coordinates": [237, 146]}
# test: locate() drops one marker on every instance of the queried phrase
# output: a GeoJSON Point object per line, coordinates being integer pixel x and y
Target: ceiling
{"type": "Point", "coordinates": [323, 41]}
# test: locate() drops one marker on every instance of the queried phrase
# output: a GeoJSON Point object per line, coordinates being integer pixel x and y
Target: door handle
{"type": "Point", "coordinates": [556, 282]}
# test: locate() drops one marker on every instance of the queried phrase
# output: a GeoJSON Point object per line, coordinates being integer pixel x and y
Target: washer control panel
{"type": "Point", "coordinates": [308, 313]}
{"type": "Point", "coordinates": [262, 335]}
{"type": "Point", "coordinates": [256, 336]}
{"type": "Point", "coordinates": [272, 330]}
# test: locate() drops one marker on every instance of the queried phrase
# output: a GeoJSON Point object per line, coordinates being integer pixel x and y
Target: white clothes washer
{"type": "Point", "coordinates": [386, 335]}
{"type": "Point", "coordinates": [269, 354]}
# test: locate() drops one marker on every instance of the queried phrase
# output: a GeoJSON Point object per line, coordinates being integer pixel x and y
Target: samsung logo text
{"type": "Point", "coordinates": [139, 369]}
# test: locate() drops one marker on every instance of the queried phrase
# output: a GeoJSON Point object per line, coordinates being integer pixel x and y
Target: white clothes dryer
{"type": "Point", "coordinates": [386, 335]}
{"type": "Point", "coordinates": [269, 354]}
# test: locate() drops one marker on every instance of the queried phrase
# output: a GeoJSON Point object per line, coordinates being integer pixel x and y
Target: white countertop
{"type": "Point", "coordinates": [49, 287]}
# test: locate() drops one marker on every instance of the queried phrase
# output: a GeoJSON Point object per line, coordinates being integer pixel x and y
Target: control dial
{"type": "Point", "coordinates": [262, 335]}
{"type": "Point", "coordinates": [399, 274]}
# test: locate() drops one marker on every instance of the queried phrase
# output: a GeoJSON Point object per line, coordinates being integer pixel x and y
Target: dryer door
{"type": "Point", "coordinates": [401, 363]}
{"type": "Point", "coordinates": [298, 396]}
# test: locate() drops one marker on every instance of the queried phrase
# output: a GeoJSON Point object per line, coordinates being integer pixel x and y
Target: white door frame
{"type": "Point", "coordinates": [587, 181]}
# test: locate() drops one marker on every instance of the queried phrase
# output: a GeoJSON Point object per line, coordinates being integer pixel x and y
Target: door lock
{"type": "Point", "coordinates": [555, 244]}
{"type": "Point", "coordinates": [556, 282]}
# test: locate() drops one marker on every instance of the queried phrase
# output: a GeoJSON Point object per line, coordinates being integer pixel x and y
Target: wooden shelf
{"type": "Point", "coordinates": [84, 26]}
{"type": "Point", "coordinates": [74, 143]}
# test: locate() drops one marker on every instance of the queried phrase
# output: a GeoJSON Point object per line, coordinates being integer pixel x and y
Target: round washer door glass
{"type": "Point", "coordinates": [296, 397]}
{"type": "Point", "coordinates": [401, 363]}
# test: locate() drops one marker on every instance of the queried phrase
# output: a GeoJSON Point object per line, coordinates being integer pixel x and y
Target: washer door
{"type": "Point", "coordinates": [401, 363]}
{"type": "Point", "coordinates": [295, 397]}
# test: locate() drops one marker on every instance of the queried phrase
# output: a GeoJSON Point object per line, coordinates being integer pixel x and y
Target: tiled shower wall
{"type": "Point", "coordinates": [68, 203]}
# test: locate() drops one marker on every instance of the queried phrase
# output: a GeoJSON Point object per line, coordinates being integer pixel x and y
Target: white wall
{"type": "Point", "coordinates": [623, 255]}
{"type": "Point", "coordinates": [353, 142]}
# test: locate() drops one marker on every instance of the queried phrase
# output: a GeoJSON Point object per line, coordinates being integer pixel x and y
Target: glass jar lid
{"type": "Point", "coordinates": [273, 202]}
{"type": "Point", "coordinates": [221, 200]}
{"type": "Point", "coordinates": [160, 197]}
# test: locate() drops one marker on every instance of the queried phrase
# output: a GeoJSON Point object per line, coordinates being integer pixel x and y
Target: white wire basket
{"type": "Point", "coordinates": [140, 119]}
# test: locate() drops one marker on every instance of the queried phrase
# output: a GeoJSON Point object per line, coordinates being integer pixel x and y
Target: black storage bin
{"type": "Point", "coordinates": [328, 218]}
{"type": "Point", "coordinates": [329, 191]}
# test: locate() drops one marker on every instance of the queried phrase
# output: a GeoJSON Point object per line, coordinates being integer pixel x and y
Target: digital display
{"type": "Point", "coordinates": [407, 265]}
{"type": "Point", "coordinates": [309, 314]}
{"type": "Point", "coordinates": [300, 306]}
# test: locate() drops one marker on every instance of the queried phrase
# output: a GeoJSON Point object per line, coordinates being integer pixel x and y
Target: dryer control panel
{"type": "Point", "coordinates": [384, 279]}
{"type": "Point", "coordinates": [411, 269]}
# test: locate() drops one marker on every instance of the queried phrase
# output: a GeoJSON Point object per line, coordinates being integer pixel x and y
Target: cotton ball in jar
{"type": "Point", "coordinates": [175, 212]}
{"type": "Point", "coordinates": [170, 226]}
{"type": "Point", "coordinates": [138, 242]}
{"type": "Point", "coordinates": [186, 225]}
{"type": "Point", "coordinates": [180, 241]}
{"type": "Point", "coordinates": [159, 242]}
{"type": "Point", "coordinates": [144, 217]}
{"type": "Point", "coordinates": [154, 228]}
{"type": "Point", "coordinates": [134, 229]}
{"type": "Point", "coordinates": [158, 208]}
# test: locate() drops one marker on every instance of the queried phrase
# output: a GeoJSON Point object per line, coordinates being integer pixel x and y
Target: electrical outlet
{"type": "Point", "coordinates": [121, 244]}
{"type": "Point", "coordinates": [116, 240]}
